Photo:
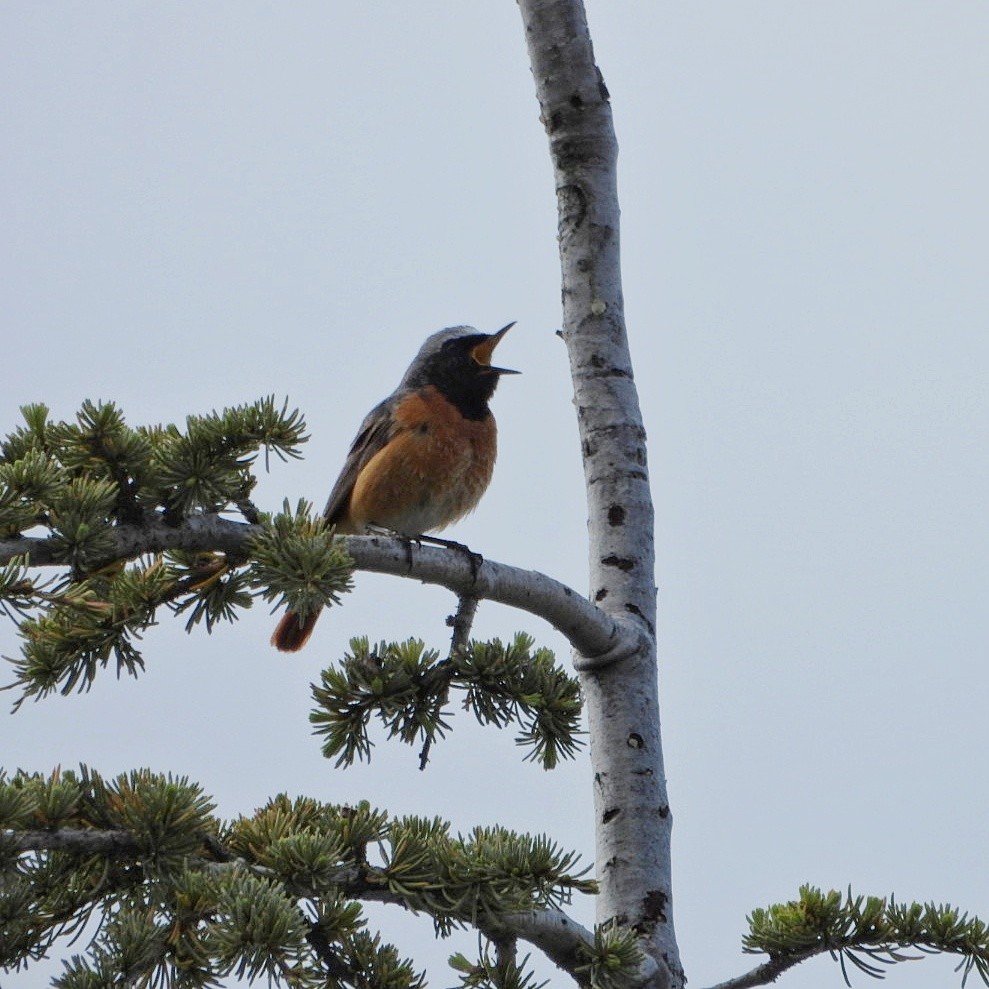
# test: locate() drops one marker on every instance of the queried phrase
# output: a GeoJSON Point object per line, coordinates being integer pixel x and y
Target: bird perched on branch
{"type": "Point", "coordinates": [423, 457]}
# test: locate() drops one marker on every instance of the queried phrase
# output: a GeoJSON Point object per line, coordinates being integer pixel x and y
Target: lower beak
{"type": "Point", "coordinates": [486, 349]}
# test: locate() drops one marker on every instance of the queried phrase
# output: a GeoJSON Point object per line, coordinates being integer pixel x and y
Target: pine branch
{"type": "Point", "coordinates": [868, 933]}
{"type": "Point", "coordinates": [246, 887]}
{"type": "Point", "coordinates": [594, 634]}
{"type": "Point", "coordinates": [109, 494]}
{"type": "Point", "coordinates": [408, 688]}
{"type": "Point", "coordinates": [352, 881]}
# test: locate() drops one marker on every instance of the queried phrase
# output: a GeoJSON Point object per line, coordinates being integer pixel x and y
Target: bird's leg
{"type": "Point", "coordinates": [475, 559]}
{"type": "Point", "coordinates": [407, 541]}
{"type": "Point", "coordinates": [446, 543]}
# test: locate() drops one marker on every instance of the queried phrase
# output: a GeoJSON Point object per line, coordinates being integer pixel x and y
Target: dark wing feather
{"type": "Point", "coordinates": [376, 430]}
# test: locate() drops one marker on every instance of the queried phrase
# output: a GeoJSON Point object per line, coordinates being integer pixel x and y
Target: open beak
{"type": "Point", "coordinates": [483, 351]}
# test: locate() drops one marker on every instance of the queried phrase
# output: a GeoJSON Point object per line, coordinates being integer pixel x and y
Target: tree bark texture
{"type": "Point", "coordinates": [632, 811]}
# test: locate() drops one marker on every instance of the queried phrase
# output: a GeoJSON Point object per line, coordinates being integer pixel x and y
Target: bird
{"type": "Point", "coordinates": [423, 457]}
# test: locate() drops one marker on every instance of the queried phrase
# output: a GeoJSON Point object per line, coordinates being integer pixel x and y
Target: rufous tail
{"type": "Point", "coordinates": [291, 634]}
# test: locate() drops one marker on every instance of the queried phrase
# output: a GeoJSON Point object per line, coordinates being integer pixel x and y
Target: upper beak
{"type": "Point", "coordinates": [484, 350]}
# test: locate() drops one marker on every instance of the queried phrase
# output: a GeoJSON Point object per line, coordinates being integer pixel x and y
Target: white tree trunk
{"type": "Point", "coordinates": [632, 812]}
{"type": "Point", "coordinates": [617, 649]}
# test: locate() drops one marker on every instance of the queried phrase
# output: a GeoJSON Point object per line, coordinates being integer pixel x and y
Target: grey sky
{"type": "Point", "coordinates": [206, 203]}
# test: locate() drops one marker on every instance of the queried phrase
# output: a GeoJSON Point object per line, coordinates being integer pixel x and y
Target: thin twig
{"type": "Point", "coordinates": [462, 622]}
{"type": "Point", "coordinates": [427, 744]}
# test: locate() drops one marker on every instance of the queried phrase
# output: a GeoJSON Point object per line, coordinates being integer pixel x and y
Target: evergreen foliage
{"type": "Point", "coordinates": [83, 484]}
{"type": "Point", "coordinates": [298, 564]}
{"type": "Point", "coordinates": [184, 899]}
{"type": "Point", "coordinates": [866, 932]}
{"type": "Point", "coordinates": [408, 687]}
{"type": "Point", "coordinates": [169, 895]}
{"type": "Point", "coordinates": [79, 478]}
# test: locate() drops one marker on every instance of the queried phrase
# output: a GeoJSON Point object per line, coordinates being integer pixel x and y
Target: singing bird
{"type": "Point", "coordinates": [423, 457]}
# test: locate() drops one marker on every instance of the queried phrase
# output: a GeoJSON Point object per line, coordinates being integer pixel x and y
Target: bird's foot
{"type": "Point", "coordinates": [475, 559]}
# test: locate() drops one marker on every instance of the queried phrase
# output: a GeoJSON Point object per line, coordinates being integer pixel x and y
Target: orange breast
{"type": "Point", "coordinates": [431, 473]}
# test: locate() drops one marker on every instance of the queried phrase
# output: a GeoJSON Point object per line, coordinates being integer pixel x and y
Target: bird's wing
{"type": "Point", "coordinates": [376, 430]}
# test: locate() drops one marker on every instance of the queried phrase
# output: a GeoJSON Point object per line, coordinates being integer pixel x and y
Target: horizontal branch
{"type": "Point", "coordinates": [595, 635]}
{"type": "Point", "coordinates": [556, 934]}
{"type": "Point", "coordinates": [83, 842]}
{"type": "Point", "coordinates": [122, 844]}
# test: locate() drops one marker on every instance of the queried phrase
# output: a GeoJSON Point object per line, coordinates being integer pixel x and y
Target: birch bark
{"type": "Point", "coordinates": [632, 811]}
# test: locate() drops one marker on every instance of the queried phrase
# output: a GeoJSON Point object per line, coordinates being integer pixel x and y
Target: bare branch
{"type": "Point", "coordinates": [109, 843]}
{"type": "Point", "coordinates": [552, 931]}
{"type": "Point", "coordinates": [767, 972]}
{"type": "Point", "coordinates": [590, 630]}
{"type": "Point", "coordinates": [593, 633]}
{"type": "Point", "coordinates": [199, 533]}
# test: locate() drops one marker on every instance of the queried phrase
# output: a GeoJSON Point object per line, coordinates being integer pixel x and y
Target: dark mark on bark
{"type": "Point", "coordinates": [572, 204]}
{"type": "Point", "coordinates": [634, 609]}
{"type": "Point", "coordinates": [654, 905]}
